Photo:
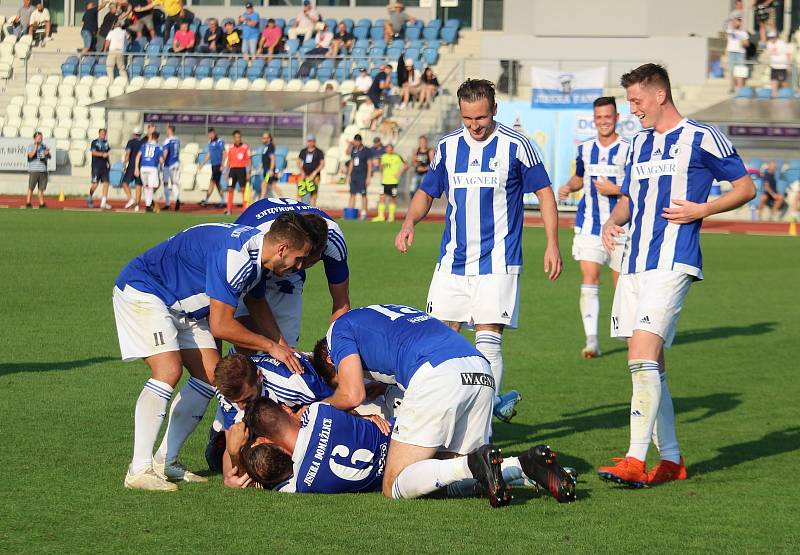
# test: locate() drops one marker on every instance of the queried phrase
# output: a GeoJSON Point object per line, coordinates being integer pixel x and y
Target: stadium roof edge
{"type": "Point", "coordinates": [745, 111]}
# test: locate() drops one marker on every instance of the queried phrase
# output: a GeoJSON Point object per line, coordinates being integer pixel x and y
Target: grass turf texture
{"type": "Point", "coordinates": [67, 408]}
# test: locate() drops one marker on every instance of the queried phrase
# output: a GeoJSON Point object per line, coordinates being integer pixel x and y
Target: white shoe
{"type": "Point", "coordinates": [591, 351]}
{"type": "Point", "coordinates": [105, 206]}
{"type": "Point", "coordinates": [175, 471]}
{"type": "Point", "coordinates": [130, 203]}
{"type": "Point", "coordinates": [136, 209]}
{"type": "Point", "coordinates": [147, 480]}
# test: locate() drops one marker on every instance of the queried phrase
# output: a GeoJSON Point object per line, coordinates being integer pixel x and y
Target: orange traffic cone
{"type": "Point", "coordinates": [61, 196]}
{"type": "Point", "coordinates": [793, 227]}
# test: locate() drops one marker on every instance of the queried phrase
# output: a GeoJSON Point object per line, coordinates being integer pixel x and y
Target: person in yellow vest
{"type": "Point", "coordinates": [392, 167]}
{"type": "Point", "coordinates": [172, 10]}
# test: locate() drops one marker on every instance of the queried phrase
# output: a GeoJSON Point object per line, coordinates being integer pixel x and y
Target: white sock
{"type": "Point", "coordinates": [166, 195]}
{"type": "Point", "coordinates": [103, 201]}
{"type": "Point", "coordinates": [664, 431]}
{"type": "Point", "coordinates": [590, 309]}
{"type": "Point", "coordinates": [150, 410]}
{"type": "Point", "coordinates": [512, 470]}
{"type": "Point", "coordinates": [645, 401]}
{"type": "Point", "coordinates": [148, 196]}
{"type": "Point", "coordinates": [176, 191]}
{"type": "Point", "coordinates": [427, 476]}
{"type": "Point", "coordinates": [490, 344]}
{"type": "Point", "coordinates": [185, 413]}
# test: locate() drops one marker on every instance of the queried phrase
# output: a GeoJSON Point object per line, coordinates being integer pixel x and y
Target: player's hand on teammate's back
{"type": "Point", "coordinates": [609, 235]}
{"type": "Point", "coordinates": [286, 355]}
{"type": "Point", "coordinates": [404, 239]}
{"type": "Point", "coordinates": [552, 262]}
{"type": "Point", "coordinates": [684, 211]}
{"type": "Point", "coordinates": [233, 480]}
{"type": "Point", "coordinates": [380, 422]}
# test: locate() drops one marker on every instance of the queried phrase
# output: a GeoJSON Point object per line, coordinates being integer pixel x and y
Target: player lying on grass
{"type": "Point", "coordinates": [447, 403]}
{"type": "Point", "coordinates": [243, 379]}
{"type": "Point", "coordinates": [173, 303]}
{"type": "Point", "coordinates": [327, 450]}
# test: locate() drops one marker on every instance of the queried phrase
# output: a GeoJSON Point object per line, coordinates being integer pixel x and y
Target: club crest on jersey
{"type": "Point", "coordinates": [674, 150]}
{"type": "Point", "coordinates": [494, 164]}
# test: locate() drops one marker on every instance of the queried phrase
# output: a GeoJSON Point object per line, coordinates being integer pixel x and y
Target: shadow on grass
{"type": "Point", "coordinates": [773, 443]}
{"type": "Point", "coordinates": [14, 367]}
{"type": "Point", "coordinates": [604, 417]}
{"type": "Point", "coordinates": [724, 332]}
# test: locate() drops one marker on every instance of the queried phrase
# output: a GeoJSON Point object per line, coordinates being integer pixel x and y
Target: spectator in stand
{"type": "Point", "coordinates": [738, 39]}
{"type": "Point", "coordinates": [321, 47]}
{"type": "Point", "coordinates": [359, 172]}
{"type": "Point", "coordinates": [125, 15]}
{"type": "Point", "coordinates": [131, 176]}
{"type": "Point", "coordinates": [21, 22]}
{"type": "Point", "coordinates": [341, 39]}
{"type": "Point", "coordinates": [213, 39]}
{"type": "Point", "coordinates": [430, 86]}
{"type": "Point", "coordinates": [249, 21]}
{"type": "Point", "coordinates": [100, 169]}
{"type": "Point", "coordinates": [392, 168]}
{"type": "Point", "coordinates": [238, 169]}
{"type": "Point", "coordinates": [143, 10]}
{"type": "Point", "coordinates": [172, 11]}
{"type": "Point", "coordinates": [422, 157]}
{"type": "Point", "coordinates": [109, 20]}
{"type": "Point", "coordinates": [393, 26]}
{"type": "Point", "coordinates": [271, 40]}
{"type": "Point", "coordinates": [233, 39]}
{"type": "Point", "coordinates": [380, 84]}
{"type": "Point", "coordinates": [185, 15]}
{"type": "Point", "coordinates": [310, 163]}
{"type": "Point", "coordinates": [413, 84]}
{"type": "Point", "coordinates": [780, 58]}
{"type": "Point", "coordinates": [89, 27]}
{"type": "Point", "coordinates": [184, 39]}
{"type": "Point", "coordinates": [765, 18]}
{"type": "Point", "coordinates": [40, 20]}
{"type": "Point", "coordinates": [267, 151]}
{"type": "Point", "coordinates": [38, 155]}
{"type": "Point", "coordinates": [115, 44]}
{"type": "Point", "coordinates": [363, 81]}
{"type": "Point", "coordinates": [770, 196]}
{"type": "Point", "coordinates": [215, 154]}
{"type": "Point", "coordinates": [305, 23]}
{"type": "Point", "coordinates": [375, 153]}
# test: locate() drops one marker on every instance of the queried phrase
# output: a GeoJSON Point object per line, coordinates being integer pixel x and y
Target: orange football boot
{"type": "Point", "coordinates": [666, 471]}
{"type": "Point", "coordinates": [628, 471]}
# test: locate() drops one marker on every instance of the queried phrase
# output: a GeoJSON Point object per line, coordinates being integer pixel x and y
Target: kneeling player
{"type": "Point", "coordinates": [447, 404]}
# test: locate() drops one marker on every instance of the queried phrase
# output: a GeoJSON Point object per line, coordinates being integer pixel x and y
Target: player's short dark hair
{"type": "Point", "coordinates": [156, 135]}
{"type": "Point", "coordinates": [290, 228]}
{"type": "Point", "coordinates": [264, 417]}
{"type": "Point", "coordinates": [319, 360]}
{"type": "Point", "coordinates": [267, 464]}
{"type": "Point", "coordinates": [473, 90]}
{"type": "Point", "coordinates": [317, 229]}
{"type": "Point", "coordinates": [236, 132]}
{"type": "Point", "coordinates": [171, 127]}
{"type": "Point", "coordinates": [212, 130]}
{"type": "Point", "coordinates": [648, 74]}
{"type": "Point", "coordinates": [605, 101]}
{"type": "Point", "coordinates": [233, 372]}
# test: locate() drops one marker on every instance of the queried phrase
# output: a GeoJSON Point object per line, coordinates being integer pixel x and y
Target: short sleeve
{"type": "Point", "coordinates": [626, 179]}
{"type": "Point", "coordinates": [579, 168]}
{"type": "Point", "coordinates": [230, 412]}
{"type": "Point", "coordinates": [335, 258]}
{"type": "Point", "coordinates": [340, 341]}
{"type": "Point", "coordinates": [720, 156]}
{"type": "Point", "coordinates": [435, 181]}
{"type": "Point", "coordinates": [228, 274]}
{"type": "Point", "coordinates": [321, 154]}
{"type": "Point", "coordinates": [534, 176]}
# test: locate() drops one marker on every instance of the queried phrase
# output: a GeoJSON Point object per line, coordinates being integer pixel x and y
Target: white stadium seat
{"type": "Point", "coordinates": [192, 147]}
{"type": "Point", "coordinates": [95, 112]}
{"type": "Point", "coordinates": [66, 90]}
{"type": "Point", "coordinates": [33, 89]}
{"type": "Point", "coordinates": [47, 132]}
{"type": "Point", "coordinates": [276, 85]}
{"type": "Point", "coordinates": [203, 176]}
{"type": "Point", "coordinates": [49, 101]}
{"type": "Point", "coordinates": [116, 90]}
{"type": "Point", "coordinates": [6, 69]}
{"type": "Point", "coordinates": [132, 118]}
{"type": "Point", "coordinates": [47, 111]}
{"type": "Point", "coordinates": [154, 83]}
{"type": "Point", "coordinates": [77, 133]}
{"type": "Point", "coordinates": [82, 91]}
{"type": "Point", "coordinates": [81, 144]}
{"type": "Point", "coordinates": [259, 84]}
{"type": "Point", "coordinates": [61, 132]}
{"type": "Point", "coordinates": [80, 112]}
{"type": "Point", "coordinates": [30, 111]}
{"type": "Point", "coordinates": [53, 79]}
{"type": "Point", "coordinates": [241, 84]}
{"type": "Point", "coordinates": [223, 84]}
{"type": "Point", "coordinates": [10, 131]}
{"type": "Point", "coordinates": [26, 131]}
{"type": "Point", "coordinates": [312, 85]}
{"type": "Point", "coordinates": [87, 80]}
{"type": "Point", "coordinates": [17, 100]}
{"type": "Point", "coordinates": [77, 157]}
{"type": "Point", "coordinates": [70, 80]}
{"type": "Point", "coordinates": [332, 83]}
{"type": "Point", "coordinates": [49, 89]}
{"type": "Point", "coordinates": [294, 85]}
{"type": "Point", "coordinates": [170, 83]}
{"type": "Point", "coordinates": [205, 84]}
{"type": "Point", "coordinates": [13, 110]}
{"type": "Point", "coordinates": [47, 122]}
{"type": "Point", "coordinates": [190, 83]}
{"type": "Point", "coordinates": [99, 92]}
{"type": "Point", "coordinates": [104, 80]}
{"type": "Point", "coordinates": [37, 78]}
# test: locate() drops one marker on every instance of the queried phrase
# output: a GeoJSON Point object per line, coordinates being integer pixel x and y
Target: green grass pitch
{"type": "Point", "coordinates": [67, 410]}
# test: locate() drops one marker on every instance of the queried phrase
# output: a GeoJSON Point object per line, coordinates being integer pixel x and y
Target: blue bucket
{"type": "Point", "coordinates": [351, 213]}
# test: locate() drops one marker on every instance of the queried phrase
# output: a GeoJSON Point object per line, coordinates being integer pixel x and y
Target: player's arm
{"type": "Point", "coordinates": [300, 167]}
{"type": "Point", "coordinates": [271, 164]}
{"type": "Point", "coordinates": [136, 166]}
{"type": "Point", "coordinates": [574, 184]}
{"type": "Point", "coordinates": [420, 205]}
{"type": "Point", "coordinates": [32, 153]}
{"type": "Point", "coordinates": [261, 313]}
{"type": "Point", "coordinates": [340, 295]}
{"type": "Point", "coordinates": [349, 171]}
{"type": "Point", "coordinates": [225, 327]}
{"type": "Point", "coordinates": [350, 392]}
{"type": "Point", "coordinates": [613, 226]}
{"type": "Point", "coordinates": [549, 211]}
{"type": "Point", "coordinates": [319, 169]}
{"type": "Point", "coordinates": [685, 211]}
{"type": "Point", "coordinates": [606, 188]}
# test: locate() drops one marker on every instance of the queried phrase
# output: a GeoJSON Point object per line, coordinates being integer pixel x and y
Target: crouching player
{"type": "Point", "coordinates": [172, 304]}
{"type": "Point", "coordinates": [328, 450]}
{"type": "Point", "coordinates": [447, 405]}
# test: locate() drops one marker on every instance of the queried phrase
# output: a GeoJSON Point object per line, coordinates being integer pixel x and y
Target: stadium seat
{"type": "Point", "coordinates": [223, 84]}
{"type": "Point", "coordinates": [64, 107]}
{"type": "Point", "coordinates": [240, 84]}
{"type": "Point", "coordinates": [80, 112]}
{"type": "Point", "coordinates": [115, 175]}
{"type": "Point", "coordinates": [431, 56]}
{"type": "Point", "coordinates": [276, 85]}
{"type": "Point", "coordinates": [154, 82]}
{"type": "Point", "coordinates": [77, 157]}
{"type": "Point", "coordinates": [202, 71]}
{"type": "Point", "coordinates": [745, 92]}
{"type": "Point", "coordinates": [14, 110]}
{"type": "Point", "coordinates": [205, 84]}
{"type": "Point", "coordinates": [393, 53]}
{"type": "Point", "coordinates": [61, 131]}
{"type": "Point", "coordinates": [78, 132]}
{"type": "Point", "coordinates": [188, 178]}
{"type": "Point", "coordinates": [347, 86]}
{"type": "Point", "coordinates": [259, 85]}
{"type": "Point", "coordinates": [170, 83]}
{"type": "Point", "coordinates": [33, 89]}
{"type": "Point", "coordinates": [413, 33]}
{"type": "Point", "coordinates": [188, 84]}
{"type": "Point", "coordinates": [294, 85]}
{"type": "Point", "coordinates": [99, 92]}
{"type": "Point", "coordinates": [47, 111]}
{"type": "Point", "coordinates": [785, 92]}
{"type": "Point", "coordinates": [763, 93]}
{"type": "Point", "coordinates": [46, 131]}
{"type": "Point", "coordinates": [30, 111]}
{"type": "Point", "coordinates": [430, 33]}
{"type": "Point", "coordinates": [330, 83]}
{"type": "Point", "coordinates": [312, 85]}
{"type": "Point", "coordinates": [376, 32]}
{"type": "Point", "coordinates": [361, 33]}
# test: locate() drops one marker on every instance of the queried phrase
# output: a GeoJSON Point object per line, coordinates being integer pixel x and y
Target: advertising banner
{"type": "Point", "coordinates": [554, 89]}
{"type": "Point", "coordinates": [14, 154]}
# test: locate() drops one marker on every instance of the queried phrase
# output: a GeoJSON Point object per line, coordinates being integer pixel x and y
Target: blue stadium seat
{"type": "Point", "coordinates": [418, 44]}
{"type": "Point", "coordinates": [218, 72]}
{"type": "Point", "coordinates": [280, 162]}
{"type": "Point", "coordinates": [794, 164]}
{"type": "Point", "coordinates": [364, 22]}
{"type": "Point", "coordinates": [376, 33]}
{"type": "Point", "coordinates": [393, 53]}
{"type": "Point", "coordinates": [412, 53]}
{"type": "Point", "coordinates": [343, 71]}
{"type": "Point", "coordinates": [430, 33]}
{"type": "Point", "coordinates": [151, 70]}
{"type": "Point", "coordinates": [273, 70]}
{"type": "Point", "coordinates": [787, 178]}
{"type": "Point", "coordinates": [201, 32]}
{"type": "Point", "coordinates": [431, 56]}
{"type": "Point", "coordinates": [348, 24]}
{"type": "Point", "coordinates": [397, 43]}
{"type": "Point", "coordinates": [280, 22]}
{"type": "Point", "coordinates": [70, 66]}
{"type": "Point", "coordinates": [379, 42]}
{"type": "Point", "coordinates": [282, 151]}
{"type": "Point", "coordinates": [756, 163]}
{"type": "Point", "coordinates": [434, 24]}
{"type": "Point", "coordinates": [304, 48]}
{"type": "Point", "coordinates": [254, 72]}
{"type": "Point", "coordinates": [157, 41]}
{"type": "Point", "coordinates": [238, 69]}
{"type": "Point", "coordinates": [201, 72]}
{"type": "Point", "coordinates": [452, 23]}
{"type": "Point", "coordinates": [169, 71]}
{"type": "Point", "coordinates": [358, 52]}
{"type": "Point", "coordinates": [115, 175]}
{"type": "Point", "coordinates": [187, 68]}
{"type": "Point", "coordinates": [166, 48]}
{"type": "Point", "coordinates": [135, 70]}
{"type": "Point", "coordinates": [785, 92]}
{"type": "Point", "coordinates": [86, 66]}
{"type": "Point", "coordinates": [745, 92]}
{"type": "Point", "coordinates": [763, 92]}
{"type": "Point", "coordinates": [256, 179]}
{"type": "Point", "coordinates": [324, 73]}
{"type": "Point", "coordinates": [294, 65]}
{"type": "Point", "coordinates": [361, 33]}
{"type": "Point", "coordinates": [291, 46]}
{"type": "Point", "coordinates": [449, 35]}
{"type": "Point", "coordinates": [134, 46]}
{"type": "Point", "coordinates": [376, 52]}
{"type": "Point", "coordinates": [100, 69]}
{"type": "Point", "coordinates": [331, 23]}
{"type": "Point", "coordinates": [413, 33]}
{"type": "Point", "coordinates": [433, 44]}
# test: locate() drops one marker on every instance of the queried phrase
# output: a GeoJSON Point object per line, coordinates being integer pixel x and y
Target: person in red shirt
{"type": "Point", "coordinates": [238, 163]}
{"type": "Point", "coordinates": [184, 39]}
{"type": "Point", "coordinates": [271, 40]}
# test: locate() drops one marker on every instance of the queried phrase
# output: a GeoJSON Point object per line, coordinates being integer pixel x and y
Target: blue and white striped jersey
{"type": "Point", "coordinates": [337, 452]}
{"type": "Point", "coordinates": [593, 161]}
{"type": "Point", "coordinates": [678, 164]}
{"type": "Point", "coordinates": [208, 261]}
{"type": "Point", "coordinates": [172, 146]}
{"type": "Point", "coordinates": [484, 183]}
{"type": "Point", "coordinates": [281, 385]}
{"type": "Point", "coordinates": [262, 213]}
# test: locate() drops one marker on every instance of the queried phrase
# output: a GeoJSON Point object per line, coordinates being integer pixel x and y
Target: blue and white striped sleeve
{"type": "Point", "coordinates": [229, 274]}
{"type": "Point", "coordinates": [579, 169]}
{"type": "Point", "coordinates": [534, 176]}
{"type": "Point", "coordinates": [335, 257]}
{"type": "Point", "coordinates": [435, 181]}
{"type": "Point", "coordinates": [720, 156]}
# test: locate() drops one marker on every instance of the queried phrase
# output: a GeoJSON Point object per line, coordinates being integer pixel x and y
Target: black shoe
{"type": "Point", "coordinates": [204, 202]}
{"type": "Point", "coordinates": [43, 205]}
{"type": "Point", "coordinates": [166, 208]}
{"type": "Point", "coordinates": [177, 205]}
{"type": "Point", "coordinates": [484, 463]}
{"type": "Point", "coordinates": [28, 205]}
{"type": "Point", "coordinates": [539, 464]}
{"type": "Point", "coordinates": [148, 208]}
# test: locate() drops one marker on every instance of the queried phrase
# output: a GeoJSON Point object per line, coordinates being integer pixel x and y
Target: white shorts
{"type": "Point", "coordinates": [486, 299]}
{"type": "Point", "coordinates": [649, 301]}
{"type": "Point", "coordinates": [172, 174]}
{"type": "Point", "coordinates": [385, 405]}
{"type": "Point", "coordinates": [149, 177]}
{"type": "Point", "coordinates": [590, 248]}
{"type": "Point", "coordinates": [147, 327]}
{"type": "Point", "coordinates": [287, 310]}
{"type": "Point", "coordinates": [448, 406]}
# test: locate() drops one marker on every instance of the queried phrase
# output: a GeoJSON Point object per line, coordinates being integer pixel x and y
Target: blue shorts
{"type": "Point", "coordinates": [249, 46]}
{"type": "Point", "coordinates": [87, 38]}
